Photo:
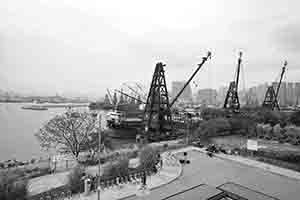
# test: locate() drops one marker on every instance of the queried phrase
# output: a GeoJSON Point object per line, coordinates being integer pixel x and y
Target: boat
{"type": "Point", "coordinates": [125, 122]}
{"type": "Point", "coordinates": [100, 106]}
{"type": "Point", "coordinates": [34, 107]}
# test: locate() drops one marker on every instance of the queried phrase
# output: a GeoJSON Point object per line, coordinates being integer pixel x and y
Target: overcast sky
{"type": "Point", "coordinates": [84, 47]}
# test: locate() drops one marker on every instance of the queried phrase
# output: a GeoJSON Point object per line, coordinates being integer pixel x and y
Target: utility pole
{"type": "Point", "coordinates": [99, 168]}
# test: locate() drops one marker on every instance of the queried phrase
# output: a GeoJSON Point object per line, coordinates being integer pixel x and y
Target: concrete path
{"type": "Point", "coordinates": [253, 163]}
{"type": "Point", "coordinates": [216, 171]}
{"type": "Point", "coordinates": [44, 183]}
{"type": "Point", "coordinates": [170, 171]}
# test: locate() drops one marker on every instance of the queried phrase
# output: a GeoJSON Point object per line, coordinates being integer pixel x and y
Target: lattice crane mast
{"type": "Point", "coordinates": [232, 99]}
{"type": "Point", "coordinates": [157, 114]}
{"type": "Point", "coordinates": [270, 101]}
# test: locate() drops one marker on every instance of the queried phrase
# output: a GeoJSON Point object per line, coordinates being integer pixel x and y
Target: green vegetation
{"type": "Point", "coordinates": [72, 132]}
{"type": "Point", "coordinates": [75, 182]}
{"type": "Point", "coordinates": [261, 123]}
{"type": "Point", "coordinates": [118, 168]}
{"type": "Point", "coordinates": [148, 157]}
{"type": "Point", "coordinates": [295, 118]}
{"type": "Point", "coordinates": [11, 188]}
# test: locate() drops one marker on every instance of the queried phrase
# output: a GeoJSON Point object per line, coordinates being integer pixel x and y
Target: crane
{"type": "Point", "coordinates": [157, 113]}
{"type": "Point", "coordinates": [232, 99]}
{"type": "Point", "coordinates": [109, 96]}
{"type": "Point", "coordinates": [204, 59]}
{"type": "Point", "coordinates": [270, 101]}
{"type": "Point", "coordinates": [137, 99]}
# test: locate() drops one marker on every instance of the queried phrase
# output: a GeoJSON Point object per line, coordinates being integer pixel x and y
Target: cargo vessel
{"type": "Point", "coordinates": [125, 122]}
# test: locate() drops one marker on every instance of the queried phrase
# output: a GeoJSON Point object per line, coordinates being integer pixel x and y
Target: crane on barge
{"type": "Point", "coordinates": [232, 102]}
{"type": "Point", "coordinates": [157, 117]}
{"type": "Point", "coordinates": [271, 97]}
{"type": "Point", "coordinates": [157, 113]}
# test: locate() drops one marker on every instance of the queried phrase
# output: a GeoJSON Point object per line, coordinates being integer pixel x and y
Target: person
{"type": "Point", "coordinates": [210, 154]}
{"type": "Point", "coordinates": [144, 179]}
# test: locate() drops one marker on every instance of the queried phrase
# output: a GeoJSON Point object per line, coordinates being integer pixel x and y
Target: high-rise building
{"type": "Point", "coordinates": [186, 94]}
{"type": "Point", "coordinates": [290, 94]}
{"type": "Point", "coordinates": [207, 96]}
{"type": "Point", "coordinates": [221, 95]}
{"type": "Point", "coordinates": [261, 92]}
{"type": "Point", "coordinates": [297, 93]}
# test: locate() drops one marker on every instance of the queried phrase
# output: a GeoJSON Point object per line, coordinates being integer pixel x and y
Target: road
{"type": "Point", "coordinates": [215, 171]}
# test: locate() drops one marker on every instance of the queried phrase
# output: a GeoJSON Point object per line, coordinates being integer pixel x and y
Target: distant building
{"type": "Point", "coordinates": [221, 95]}
{"type": "Point", "coordinates": [186, 94]}
{"type": "Point", "coordinates": [207, 96]}
{"type": "Point", "coordinates": [297, 93]}
{"type": "Point", "coordinates": [282, 95]}
{"type": "Point", "coordinates": [291, 100]}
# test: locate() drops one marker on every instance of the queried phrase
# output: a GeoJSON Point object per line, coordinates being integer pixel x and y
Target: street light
{"type": "Point", "coordinates": [99, 169]}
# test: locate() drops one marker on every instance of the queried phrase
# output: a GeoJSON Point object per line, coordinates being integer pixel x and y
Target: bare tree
{"type": "Point", "coordinates": [71, 132]}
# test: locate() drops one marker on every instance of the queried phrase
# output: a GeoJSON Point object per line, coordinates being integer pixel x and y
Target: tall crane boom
{"type": "Point", "coordinates": [204, 59]}
{"type": "Point", "coordinates": [110, 97]}
{"type": "Point", "coordinates": [281, 76]}
{"type": "Point", "coordinates": [238, 70]}
{"type": "Point", "coordinates": [139, 100]}
{"type": "Point", "coordinates": [232, 99]}
{"type": "Point", "coordinates": [270, 101]}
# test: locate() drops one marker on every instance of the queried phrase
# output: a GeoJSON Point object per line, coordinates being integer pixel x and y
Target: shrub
{"type": "Point", "coordinates": [211, 113]}
{"type": "Point", "coordinates": [11, 189]}
{"type": "Point", "coordinates": [118, 168]}
{"type": "Point", "coordinates": [242, 125]}
{"type": "Point", "coordinates": [148, 157]}
{"type": "Point", "coordinates": [214, 127]}
{"type": "Point", "coordinates": [75, 182]}
{"type": "Point", "coordinates": [295, 118]}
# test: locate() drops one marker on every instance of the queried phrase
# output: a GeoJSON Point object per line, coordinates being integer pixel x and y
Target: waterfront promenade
{"type": "Point", "coordinates": [174, 177]}
{"type": "Point", "coordinates": [219, 170]}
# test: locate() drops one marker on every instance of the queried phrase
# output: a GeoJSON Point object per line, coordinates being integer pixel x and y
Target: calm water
{"type": "Point", "coordinates": [17, 128]}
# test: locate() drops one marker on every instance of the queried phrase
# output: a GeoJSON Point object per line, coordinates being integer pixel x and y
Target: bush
{"type": "Point", "coordinates": [214, 127]}
{"type": "Point", "coordinates": [242, 126]}
{"type": "Point", "coordinates": [119, 168]}
{"type": "Point", "coordinates": [11, 189]}
{"type": "Point", "coordinates": [211, 113]}
{"type": "Point", "coordinates": [148, 157]}
{"type": "Point", "coordinates": [75, 182]}
{"type": "Point", "coordinates": [295, 118]}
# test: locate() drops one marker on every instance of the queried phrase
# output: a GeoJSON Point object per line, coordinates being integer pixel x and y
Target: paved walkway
{"type": "Point", "coordinates": [217, 171]}
{"type": "Point", "coordinates": [170, 171]}
{"type": "Point", "coordinates": [44, 183]}
{"type": "Point", "coordinates": [253, 163]}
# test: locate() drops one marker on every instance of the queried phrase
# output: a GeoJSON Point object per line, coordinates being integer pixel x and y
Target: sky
{"type": "Point", "coordinates": [77, 47]}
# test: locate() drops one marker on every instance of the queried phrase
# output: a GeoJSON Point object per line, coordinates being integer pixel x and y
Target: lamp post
{"type": "Point", "coordinates": [99, 169]}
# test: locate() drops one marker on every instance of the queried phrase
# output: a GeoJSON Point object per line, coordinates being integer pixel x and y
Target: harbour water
{"type": "Point", "coordinates": [17, 128]}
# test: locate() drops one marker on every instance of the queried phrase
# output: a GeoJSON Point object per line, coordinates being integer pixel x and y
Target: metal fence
{"type": "Point", "coordinates": [64, 192]}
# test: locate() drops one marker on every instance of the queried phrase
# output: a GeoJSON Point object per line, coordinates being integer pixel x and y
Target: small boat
{"type": "Point", "coordinates": [34, 107]}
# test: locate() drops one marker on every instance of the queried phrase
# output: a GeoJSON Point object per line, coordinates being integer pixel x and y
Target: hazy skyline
{"type": "Point", "coordinates": [84, 47]}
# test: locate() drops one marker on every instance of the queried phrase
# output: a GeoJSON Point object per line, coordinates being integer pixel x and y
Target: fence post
{"type": "Point", "coordinates": [66, 164]}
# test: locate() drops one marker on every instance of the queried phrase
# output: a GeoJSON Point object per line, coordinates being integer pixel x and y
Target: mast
{"type": "Point", "coordinates": [281, 76]}
{"type": "Point", "coordinates": [232, 100]}
{"type": "Point", "coordinates": [204, 59]}
{"type": "Point", "coordinates": [238, 70]}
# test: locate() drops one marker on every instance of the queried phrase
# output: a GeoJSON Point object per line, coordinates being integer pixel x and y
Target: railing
{"type": "Point", "coordinates": [64, 192]}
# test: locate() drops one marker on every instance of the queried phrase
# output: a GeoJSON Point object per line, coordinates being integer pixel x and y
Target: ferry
{"type": "Point", "coordinates": [34, 107]}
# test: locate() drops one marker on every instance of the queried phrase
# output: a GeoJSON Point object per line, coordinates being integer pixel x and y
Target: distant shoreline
{"type": "Point", "coordinates": [51, 105]}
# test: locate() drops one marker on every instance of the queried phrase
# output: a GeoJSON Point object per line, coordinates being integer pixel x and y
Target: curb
{"type": "Point", "coordinates": [267, 167]}
{"type": "Point", "coordinates": [158, 186]}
